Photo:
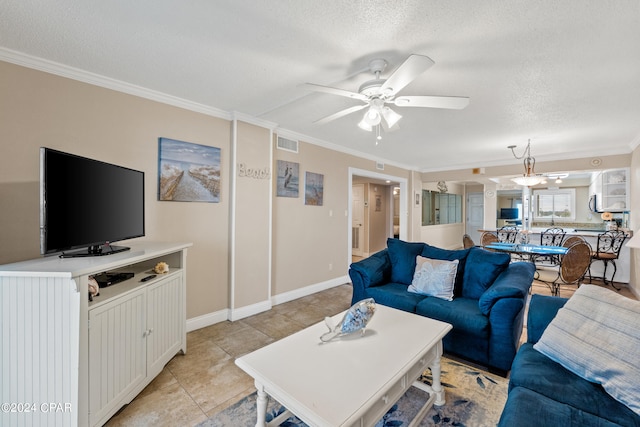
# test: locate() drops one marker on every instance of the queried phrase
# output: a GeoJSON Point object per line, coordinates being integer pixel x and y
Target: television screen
{"type": "Point", "coordinates": [87, 203]}
{"type": "Point", "coordinates": [509, 213]}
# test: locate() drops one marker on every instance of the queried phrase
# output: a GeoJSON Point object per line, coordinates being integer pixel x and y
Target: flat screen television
{"type": "Point", "coordinates": [508, 213]}
{"type": "Point", "coordinates": [86, 204]}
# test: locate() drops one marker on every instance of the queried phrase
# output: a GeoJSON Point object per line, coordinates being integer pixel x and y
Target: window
{"type": "Point", "coordinates": [441, 208]}
{"type": "Point", "coordinates": [555, 204]}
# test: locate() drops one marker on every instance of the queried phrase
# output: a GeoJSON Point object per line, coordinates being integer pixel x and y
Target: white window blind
{"type": "Point", "coordinates": [555, 204]}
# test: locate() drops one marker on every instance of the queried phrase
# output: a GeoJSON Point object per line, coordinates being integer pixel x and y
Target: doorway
{"type": "Point", "coordinates": [475, 215]}
{"type": "Point", "coordinates": [357, 219]}
{"type": "Point", "coordinates": [402, 215]}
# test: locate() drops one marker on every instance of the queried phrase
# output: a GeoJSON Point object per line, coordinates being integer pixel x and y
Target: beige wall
{"type": "Point", "coordinates": [250, 249]}
{"type": "Point", "coordinates": [40, 109]}
{"type": "Point", "coordinates": [310, 243]}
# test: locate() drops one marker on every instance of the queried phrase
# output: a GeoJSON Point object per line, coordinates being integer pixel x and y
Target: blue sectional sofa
{"type": "Point", "coordinates": [487, 310]}
{"type": "Point", "coordinates": [544, 393]}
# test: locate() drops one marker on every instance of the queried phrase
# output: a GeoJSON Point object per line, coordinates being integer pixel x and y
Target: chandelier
{"type": "Point", "coordinates": [529, 178]}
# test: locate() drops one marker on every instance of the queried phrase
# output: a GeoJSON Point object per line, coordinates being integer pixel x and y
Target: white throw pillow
{"type": "Point", "coordinates": [596, 336]}
{"type": "Point", "coordinates": [434, 277]}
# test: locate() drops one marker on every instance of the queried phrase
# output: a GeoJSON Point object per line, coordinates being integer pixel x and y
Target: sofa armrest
{"type": "Point", "coordinates": [542, 310]}
{"type": "Point", "coordinates": [514, 282]}
{"type": "Point", "coordinates": [372, 271]}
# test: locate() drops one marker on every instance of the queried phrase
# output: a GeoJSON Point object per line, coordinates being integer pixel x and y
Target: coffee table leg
{"type": "Point", "coordinates": [261, 405]}
{"type": "Point", "coordinates": [437, 386]}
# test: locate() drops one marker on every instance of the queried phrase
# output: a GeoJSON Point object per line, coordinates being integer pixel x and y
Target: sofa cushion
{"type": "Point", "coordinates": [395, 295]}
{"type": "Point", "coordinates": [434, 277]}
{"type": "Point", "coordinates": [403, 259]}
{"type": "Point", "coordinates": [596, 336]}
{"type": "Point", "coordinates": [526, 408]}
{"type": "Point", "coordinates": [535, 371]}
{"type": "Point", "coordinates": [462, 313]}
{"type": "Point", "coordinates": [513, 282]}
{"type": "Point", "coordinates": [480, 271]}
{"type": "Point", "coordinates": [449, 255]}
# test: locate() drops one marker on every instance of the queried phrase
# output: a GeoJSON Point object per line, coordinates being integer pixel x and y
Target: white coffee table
{"type": "Point", "coordinates": [352, 380]}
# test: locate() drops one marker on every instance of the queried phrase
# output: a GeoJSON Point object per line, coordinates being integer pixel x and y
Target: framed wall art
{"type": "Point", "coordinates": [188, 172]}
{"type": "Point", "coordinates": [288, 179]}
{"type": "Point", "coordinates": [313, 189]}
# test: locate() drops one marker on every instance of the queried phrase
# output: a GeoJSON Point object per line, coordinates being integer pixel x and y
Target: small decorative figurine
{"type": "Point", "coordinates": [161, 268]}
{"type": "Point", "coordinates": [355, 319]}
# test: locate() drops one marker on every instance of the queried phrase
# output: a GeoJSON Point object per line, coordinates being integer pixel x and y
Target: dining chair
{"type": "Point", "coordinates": [608, 250]}
{"type": "Point", "coordinates": [571, 270]}
{"type": "Point", "coordinates": [507, 234]}
{"type": "Point", "coordinates": [487, 238]}
{"type": "Point", "coordinates": [571, 240]}
{"type": "Point", "coordinates": [551, 237]}
{"type": "Point", "coordinates": [467, 241]}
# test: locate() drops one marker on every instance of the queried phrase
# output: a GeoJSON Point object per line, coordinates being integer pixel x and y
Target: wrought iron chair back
{"type": "Point", "coordinates": [552, 236]}
{"type": "Point", "coordinates": [608, 251]}
{"type": "Point", "coordinates": [610, 242]}
{"type": "Point", "coordinates": [507, 234]}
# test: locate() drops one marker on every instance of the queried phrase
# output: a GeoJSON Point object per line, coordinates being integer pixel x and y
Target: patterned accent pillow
{"type": "Point", "coordinates": [434, 277]}
{"type": "Point", "coordinates": [596, 336]}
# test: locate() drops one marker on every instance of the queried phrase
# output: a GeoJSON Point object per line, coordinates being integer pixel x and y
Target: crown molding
{"type": "Point", "coordinates": [247, 118]}
{"type": "Point", "coordinates": [55, 68]}
{"type": "Point", "coordinates": [51, 67]}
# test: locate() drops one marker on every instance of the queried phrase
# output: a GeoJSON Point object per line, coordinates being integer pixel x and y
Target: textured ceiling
{"type": "Point", "coordinates": [565, 74]}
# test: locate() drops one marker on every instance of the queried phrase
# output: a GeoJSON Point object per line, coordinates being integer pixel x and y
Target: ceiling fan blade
{"type": "Point", "coordinates": [452, 102]}
{"type": "Point", "coordinates": [336, 91]}
{"type": "Point", "coordinates": [406, 73]}
{"type": "Point", "coordinates": [342, 113]}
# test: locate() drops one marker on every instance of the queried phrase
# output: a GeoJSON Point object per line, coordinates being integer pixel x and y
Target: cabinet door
{"type": "Point", "coordinates": [116, 353]}
{"type": "Point", "coordinates": [615, 190]}
{"type": "Point", "coordinates": [165, 322]}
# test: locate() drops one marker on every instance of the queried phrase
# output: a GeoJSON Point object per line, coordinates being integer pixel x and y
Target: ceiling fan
{"type": "Point", "coordinates": [378, 93]}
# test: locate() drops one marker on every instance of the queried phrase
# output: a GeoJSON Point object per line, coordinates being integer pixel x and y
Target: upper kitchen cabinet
{"type": "Point", "coordinates": [611, 190]}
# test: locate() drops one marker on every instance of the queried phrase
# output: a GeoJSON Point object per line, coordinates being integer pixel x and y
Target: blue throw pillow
{"type": "Point", "coordinates": [403, 259]}
{"type": "Point", "coordinates": [481, 270]}
{"type": "Point", "coordinates": [449, 255]}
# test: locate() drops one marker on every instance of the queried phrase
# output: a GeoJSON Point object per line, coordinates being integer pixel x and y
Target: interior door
{"type": "Point", "coordinates": [357, 219]}
{"type": "Point", "coordinates": [475, 215]}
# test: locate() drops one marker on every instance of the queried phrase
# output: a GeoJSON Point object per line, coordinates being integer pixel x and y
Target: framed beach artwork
{"type": "Point", "coordinates": [313, 189]}
{"type": "Point", "coordinates": [188, 172]}
{"type": "Point", "coordinates": [288, 179]}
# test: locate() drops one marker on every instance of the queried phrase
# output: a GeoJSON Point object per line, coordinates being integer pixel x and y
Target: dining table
{"type": "Point", "coordinates": [528, 251]}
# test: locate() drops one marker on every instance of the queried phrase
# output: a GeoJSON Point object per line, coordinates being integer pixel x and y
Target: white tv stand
{"type": "Point", "coordinates": [67, 361]}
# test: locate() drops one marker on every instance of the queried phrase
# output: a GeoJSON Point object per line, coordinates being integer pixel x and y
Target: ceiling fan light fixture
{"type": "Point", "coordinates": [390, 116]}
{"type": "Point", "coordinates": [372, 117]}
{"type": "Point", "coordinates": [364, 125]}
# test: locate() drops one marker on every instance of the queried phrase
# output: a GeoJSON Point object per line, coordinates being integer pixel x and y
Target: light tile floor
{"type": "Point", "coordinates": [205, 381]}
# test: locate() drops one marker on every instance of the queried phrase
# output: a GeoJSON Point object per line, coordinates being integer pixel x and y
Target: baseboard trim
{"type": "Point", "coordinates": [309, 290]}
{"type": "Point", "coordinates": [205, 320]}
{"type": "Point", "coordinates": [249, 310]}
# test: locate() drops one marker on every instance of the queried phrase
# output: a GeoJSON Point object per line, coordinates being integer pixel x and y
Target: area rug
{"type": "Point", "coordinates": [474, 398]}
